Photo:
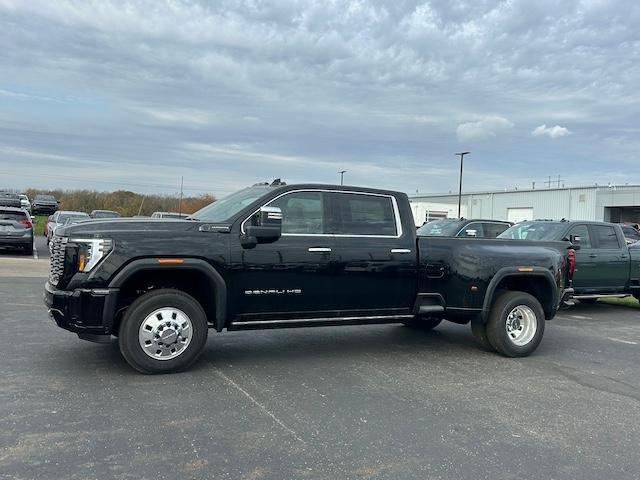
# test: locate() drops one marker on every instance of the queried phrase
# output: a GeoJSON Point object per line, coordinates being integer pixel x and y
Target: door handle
{"type": "Point", "coordinates": [400, 250]}
{"type": "Point", "coordinates": [319, 249]}
{"type": "Point", "coordinates": [593, 255]}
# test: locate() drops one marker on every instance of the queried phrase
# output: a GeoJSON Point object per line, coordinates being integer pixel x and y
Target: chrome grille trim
{"type": "Point", "coordinates": [56, 268]}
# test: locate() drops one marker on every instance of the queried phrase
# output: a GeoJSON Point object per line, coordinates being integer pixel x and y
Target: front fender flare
{"type": "Point", "coordinates": [211, 273]}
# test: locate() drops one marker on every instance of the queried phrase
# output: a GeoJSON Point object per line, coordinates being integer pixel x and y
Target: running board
{"type": "Point", "coordinates": [317, 322]}
{"type": "Point", "coordinates": [604, 295]}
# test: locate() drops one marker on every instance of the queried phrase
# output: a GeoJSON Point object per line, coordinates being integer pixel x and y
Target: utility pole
{"type": "Point", "coordinates": [181, 187]}
{"type": "Point", "coordinates": [462, 154]}
{"type": "Point", "coordinates": [342, 172]}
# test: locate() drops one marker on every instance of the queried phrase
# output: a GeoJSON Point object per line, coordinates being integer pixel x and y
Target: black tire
{"type": "Point", "coordinates": [497, 324]}
{"type": "Point", "coordinates": [423, 323]}
{"type": "Point", "coordinates": [479, 330]}
{"type": "Point", "coordinates": [28, 249]}
{"type": "Point", "coordinates": [143, 307]}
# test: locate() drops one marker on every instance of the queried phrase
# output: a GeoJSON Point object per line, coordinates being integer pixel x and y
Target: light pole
{"type": "Point", "coordinates": [342, 172]}
{"type": "Point", "coordinates": [462, 154]}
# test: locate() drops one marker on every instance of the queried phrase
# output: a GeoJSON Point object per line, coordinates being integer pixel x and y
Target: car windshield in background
{"type": "Point", "coordinates": [106, 215]}
{"type": "Point", "coordinates": [534, 231]}
{"type": "Point", "coordinates": [224, 209]}
{"type": "Point", "coordinates": [45, 198]}
{"type": "Point", "coordinates": [71, 218]}
{"type": "Point", "coordinates": [440, 228]}
{"type": "Point", "coordinates": [631, 233]}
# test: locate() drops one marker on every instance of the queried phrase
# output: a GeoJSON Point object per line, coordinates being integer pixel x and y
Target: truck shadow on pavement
{"type": "Point", "coordinates": [294, 347]}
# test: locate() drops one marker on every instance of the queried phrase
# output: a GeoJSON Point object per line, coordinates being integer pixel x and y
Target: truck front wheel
{"type": "Point", "coordinates": [516, 324]}
{"type": "Point", "coordinates": [163, 331]}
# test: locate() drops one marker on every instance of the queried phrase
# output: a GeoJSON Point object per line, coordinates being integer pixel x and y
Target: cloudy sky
{"type": "Point", "coordinates": [103, 94]}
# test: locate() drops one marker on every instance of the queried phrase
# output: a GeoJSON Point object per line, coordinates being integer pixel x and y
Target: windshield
{"type": "Point", "coordinates": [106, 215]}
{"type": "Point", "coordinates": [71, 217]}
{"type": "Point", "coordinates": [535, 231]}
{"type": "Point", "coordinates": [631, 233]}
{"type": "Point", "coordinates": [448, 227]}
{"type": "Point", "coordinates": [224, 209]}
{"type": "Point", "coordinates": [47, 198]}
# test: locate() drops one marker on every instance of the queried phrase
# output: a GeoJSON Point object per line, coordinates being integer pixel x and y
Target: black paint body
{"type": "Point", "coordinates": [281, 284]}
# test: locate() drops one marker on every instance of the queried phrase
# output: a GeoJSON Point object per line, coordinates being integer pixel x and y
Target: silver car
{"type": "Point", "coordinates": [63, 217]}
{"type": "Point", "coordinates": [16, 229]}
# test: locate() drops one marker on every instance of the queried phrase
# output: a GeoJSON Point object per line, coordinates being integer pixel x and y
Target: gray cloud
{"type": "Point", "coordinates": [302, 89]}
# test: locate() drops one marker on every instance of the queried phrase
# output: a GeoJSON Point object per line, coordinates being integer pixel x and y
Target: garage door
{"type": "Point", "coordinates": [516, 215]}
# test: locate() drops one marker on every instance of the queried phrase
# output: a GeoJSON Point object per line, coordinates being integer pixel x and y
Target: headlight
{"type": "Point", "coordinates": [91, 251]}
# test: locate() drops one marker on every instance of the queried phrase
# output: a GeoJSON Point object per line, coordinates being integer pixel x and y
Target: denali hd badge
{"type": "Point", "coordinates": [274, 291]}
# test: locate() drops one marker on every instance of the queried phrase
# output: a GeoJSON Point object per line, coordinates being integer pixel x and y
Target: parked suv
{"type": "Point", "coordinates": [10, 200]}
{"type": "Point", "coordinates": [44, 204]}
{"type": "Point", "coordinates": [460, 227]}
{"type": "Point", "coordinates": [16, 229]}
{"type": "Point", "coordinates": [605, 265]}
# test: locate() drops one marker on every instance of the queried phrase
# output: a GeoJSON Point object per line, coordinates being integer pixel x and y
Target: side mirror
{"type": "Point", "coordinates": [575, 240]}
{"type": "Point", "coordinates": [471, 233]}
{"type": "Point", "coordinates": [266, 227]}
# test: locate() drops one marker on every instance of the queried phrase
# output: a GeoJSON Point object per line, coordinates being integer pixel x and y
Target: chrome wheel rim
{"type": "Point", "coordinates": [165, 333]}
{"type": "Point", "coordinates": [521, 325]}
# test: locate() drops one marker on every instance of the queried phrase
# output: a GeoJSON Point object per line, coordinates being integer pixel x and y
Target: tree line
{"type": "Point", "coordinates": [124, 202]}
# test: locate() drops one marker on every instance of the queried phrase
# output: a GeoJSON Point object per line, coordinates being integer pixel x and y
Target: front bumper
{"type": "Point", "coordinates": [82, 311]}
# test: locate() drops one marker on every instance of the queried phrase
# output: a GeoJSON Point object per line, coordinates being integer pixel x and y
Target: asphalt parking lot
{"type": "Point", "coordinates": [375, 402]}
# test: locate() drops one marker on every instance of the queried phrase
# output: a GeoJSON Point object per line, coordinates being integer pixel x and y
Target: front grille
{"type": "Point", "coordinates": [56, 270]}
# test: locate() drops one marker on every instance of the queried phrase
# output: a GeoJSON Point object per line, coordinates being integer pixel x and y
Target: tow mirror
{"type": "Point", "coordinates": [575, 240]}
{"type": "Point", "coordinates": [266, 227]}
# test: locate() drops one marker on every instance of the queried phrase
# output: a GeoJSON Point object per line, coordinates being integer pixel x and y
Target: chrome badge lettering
{"type": "Point", "coordinates": [274, 291]}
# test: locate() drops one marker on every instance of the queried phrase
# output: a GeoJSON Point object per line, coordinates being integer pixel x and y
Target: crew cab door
{"type": "Point", "coordinates": [375, 262]}
{"type": "Point", "coordinates": [289, 277]}
{"type": "Point", "coordinates": [586, 274]}
{"type": "Point", "coordinates": [612, 257]}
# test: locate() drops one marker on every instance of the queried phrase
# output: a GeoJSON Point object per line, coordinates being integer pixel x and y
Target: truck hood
{"type": "Point", "coordinates": [123, 226]}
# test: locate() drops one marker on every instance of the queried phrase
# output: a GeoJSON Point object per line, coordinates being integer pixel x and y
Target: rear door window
{"type": "Point", "coordinates": [492, 230]}
{"type": "Point", "coordinates": [605, 236]}
{"type": "Point", "coordinates": [583, 232]}
{"type": "Point", "coordinates": [362, 214]}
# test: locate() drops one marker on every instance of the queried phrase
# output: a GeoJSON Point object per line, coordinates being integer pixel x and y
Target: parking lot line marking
{"type": "Point", "coordinates": [258, 404]}
{"type": "Point", "coordinates": [580, 317]}
{"type": "Point", "coordinates": [628, 342]}
{"type": "Point", "coordinates": [35, 252]}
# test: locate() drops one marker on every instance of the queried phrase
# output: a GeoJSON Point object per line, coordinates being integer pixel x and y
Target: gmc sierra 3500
{"type": "Point", "coordinates": [273, 256]}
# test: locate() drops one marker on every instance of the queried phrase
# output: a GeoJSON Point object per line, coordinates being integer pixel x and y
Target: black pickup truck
{"type": "Point", "coordinates": [273, 256]}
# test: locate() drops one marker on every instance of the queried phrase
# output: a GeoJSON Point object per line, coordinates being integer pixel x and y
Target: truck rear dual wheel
{"type": "Point", "coordinates": [163, 331]}
{"type": "Point", "coordinates": [516, 324]}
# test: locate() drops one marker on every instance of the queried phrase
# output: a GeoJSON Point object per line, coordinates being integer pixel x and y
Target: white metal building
{"type": "Point", "coordinates": [604, 203]}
